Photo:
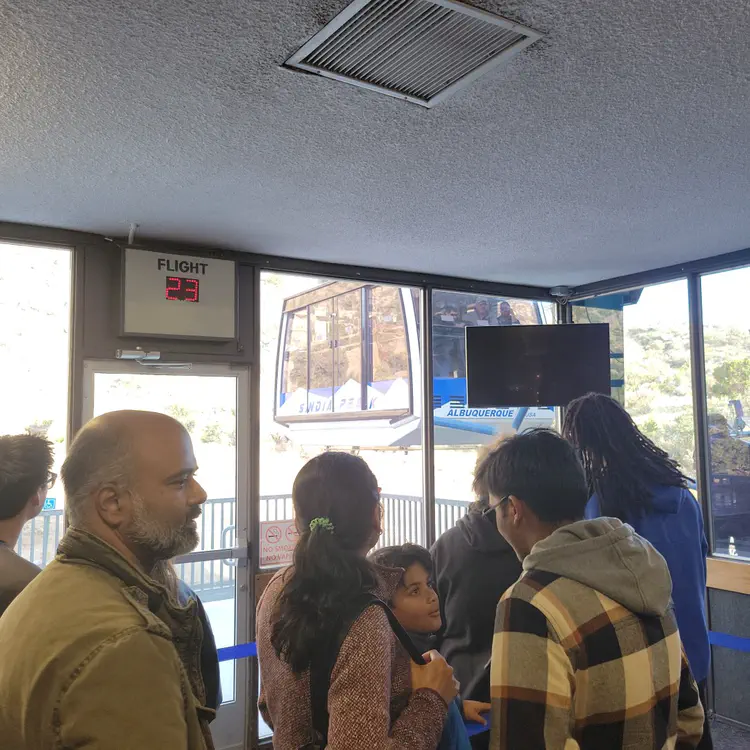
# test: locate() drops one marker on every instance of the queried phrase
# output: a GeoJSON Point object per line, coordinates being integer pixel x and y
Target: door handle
{"type": "Point", "coordinates": [231, 562]}
{"type": "Point", "coordinates": [241, 552]}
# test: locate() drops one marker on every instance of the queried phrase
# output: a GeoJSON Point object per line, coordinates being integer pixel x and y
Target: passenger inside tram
{"type": "Point", "coordinates": [506, 316]}
{"type": "Point", "coordinates": [481, 315]}
{"type": "Point", "coordinates": [449, 344]}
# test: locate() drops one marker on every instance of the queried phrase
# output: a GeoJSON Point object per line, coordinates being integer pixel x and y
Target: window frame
{"type": "Point", "coordinates": [718, 561]}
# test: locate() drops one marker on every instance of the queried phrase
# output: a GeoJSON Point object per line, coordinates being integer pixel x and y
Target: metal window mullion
{"type": "Point", "coordinates": [366, 343]}
{"type": "Point", "coordinates": [564, 312]}
{"type": "Point", "coordinates": [428, 421]}
{"type": "Point", "coordinates": [698, 373]}
{"type": "Point", "coordinates": [700, 419]}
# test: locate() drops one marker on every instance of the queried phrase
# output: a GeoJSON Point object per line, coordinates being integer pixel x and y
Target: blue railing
{"type": "Point", "coordinates": [214, 580]}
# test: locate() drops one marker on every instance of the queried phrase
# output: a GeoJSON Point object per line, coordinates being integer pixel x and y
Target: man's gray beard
{"type": "Point", "coordinates": [164, 573]}
{"type": "Point", "coordinates": [162, 541]}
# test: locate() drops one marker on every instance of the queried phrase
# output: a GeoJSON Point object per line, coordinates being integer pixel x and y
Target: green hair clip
{"type": "Point", "coordinates": [324, 524]}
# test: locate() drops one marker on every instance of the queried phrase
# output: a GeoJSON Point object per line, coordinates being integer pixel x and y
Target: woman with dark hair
{"type": "Point", "coordinates": [632, 479]}
{"type": "Point", "coordinates": [378, 698]}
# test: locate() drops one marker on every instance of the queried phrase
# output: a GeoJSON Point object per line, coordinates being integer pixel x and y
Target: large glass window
{"type": "Point", "coordinates": [35, 288]}
{"type": "Point", "coordinates": [294, 372]}
{"type": "Point", "coordinates": [347, 351]}
{"type": "Point", "coordinates": [460, 433]}
{"type": "Point", "coordinates": [650, 361]}
{"type": "Point", "coordinates": [329, 343]}
{"type": "Point", "coordinates": [389, 366]}
{"type": "Point", "coordinates": [344, 378]}
{"type": "Point", "coordinates": [726, 331]}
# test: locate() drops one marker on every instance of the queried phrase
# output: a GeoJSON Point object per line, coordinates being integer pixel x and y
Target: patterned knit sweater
{"type": "Point", "coordinates": [370, 701]}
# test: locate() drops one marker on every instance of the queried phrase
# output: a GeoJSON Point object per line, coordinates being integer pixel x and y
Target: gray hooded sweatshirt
{"type": "Point", "coordinates": [586, 654]}
{"type": "Point", "coordinates": [608, 556]}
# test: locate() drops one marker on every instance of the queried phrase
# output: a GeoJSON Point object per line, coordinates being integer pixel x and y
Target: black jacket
{"type": "Point", "coordinates": [209, 653]}
{"type": "Point", "coordinates": [473, 566]}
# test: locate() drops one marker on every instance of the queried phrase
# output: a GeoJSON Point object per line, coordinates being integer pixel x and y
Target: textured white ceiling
{"type": "Point", "coordinates": [619, 143]}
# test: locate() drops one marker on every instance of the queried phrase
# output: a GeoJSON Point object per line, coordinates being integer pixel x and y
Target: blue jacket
{"type": "Point", "coordinates": [675, 528]}
{"type": "Point", "coordinates": [455, 736]}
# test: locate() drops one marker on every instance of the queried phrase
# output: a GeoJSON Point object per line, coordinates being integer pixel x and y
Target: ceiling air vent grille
{"type": "Point", "coordinates": [419, 50]}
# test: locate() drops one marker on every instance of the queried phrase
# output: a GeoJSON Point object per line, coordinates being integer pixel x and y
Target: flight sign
{"type": "Point", "coordinates": [178, 296]}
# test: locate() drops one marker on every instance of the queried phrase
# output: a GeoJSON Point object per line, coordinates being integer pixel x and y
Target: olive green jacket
{"type": "Point", "coordinates": [96, 655]}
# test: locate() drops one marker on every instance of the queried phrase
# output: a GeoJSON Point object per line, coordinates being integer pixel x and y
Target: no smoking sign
{"type": "Point", "coordinates": [277, 542]}
{"type": "Point", "coordinates": [273, 534]}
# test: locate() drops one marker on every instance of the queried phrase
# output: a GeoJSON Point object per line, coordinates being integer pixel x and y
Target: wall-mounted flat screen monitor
{"type": "Point", "coordinates": [536, 365]}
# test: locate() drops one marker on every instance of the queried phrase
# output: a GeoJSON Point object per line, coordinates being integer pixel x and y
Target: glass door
{"type": "Point", "coordinates": [212, 402]}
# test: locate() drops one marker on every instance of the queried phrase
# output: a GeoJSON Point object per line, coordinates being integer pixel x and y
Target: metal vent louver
{"type": "Point", "coordinates": [419, 50]}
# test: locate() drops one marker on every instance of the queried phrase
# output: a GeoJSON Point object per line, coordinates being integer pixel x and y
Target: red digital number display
{"type": "Point", "coordinates": [181, 289]}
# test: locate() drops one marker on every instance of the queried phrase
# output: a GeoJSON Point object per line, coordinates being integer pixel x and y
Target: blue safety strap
{"type": "Point", "coordinates": [735, 642]}
{"type": "Point", "coordinates": [245, 650]}
{"type": "Point", "coordinates": [240, 651]}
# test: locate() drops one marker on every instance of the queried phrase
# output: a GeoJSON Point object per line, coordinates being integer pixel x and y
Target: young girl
{"type": "Point", "coordinates": [417, 608]}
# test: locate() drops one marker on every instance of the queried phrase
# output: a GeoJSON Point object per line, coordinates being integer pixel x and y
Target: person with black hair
{"type": "Point", "coordinates": [376, 697]}
{"type": "Point", "coordinates": [631, 478]}
{"type": "Point", "coordinates": [473, 566]}
{"type": "Point", "coordinates": [586, 652]}
{"type": "Point", "coordinates": [506, 316]}
{"type": "Point", "coordinates": [25, 477]}
{"type": "Point", "coordinates": [416, 606]}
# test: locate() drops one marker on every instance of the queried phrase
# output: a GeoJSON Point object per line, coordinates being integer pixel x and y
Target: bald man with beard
{"type": "Point", "coordinates": [97, 652]}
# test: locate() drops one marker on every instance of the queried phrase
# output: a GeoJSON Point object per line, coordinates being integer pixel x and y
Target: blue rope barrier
{"type": "Point", "coordinates": [240, 651]}
{"type": "Point", "coordinates": [735, 642]}
{"type": "Point", "coordinates": [246, 650]}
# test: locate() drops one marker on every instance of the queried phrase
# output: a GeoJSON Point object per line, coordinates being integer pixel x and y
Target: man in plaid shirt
{"type": "Point", "coordinates": [586, 653]}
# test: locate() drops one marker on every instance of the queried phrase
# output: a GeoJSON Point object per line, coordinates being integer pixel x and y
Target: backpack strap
{"type": "Point", "coordinates": [322, 666]}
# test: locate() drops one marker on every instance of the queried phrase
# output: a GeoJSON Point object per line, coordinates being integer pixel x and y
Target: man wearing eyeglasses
{"type": "Point", "coordinates": [25, 477]}
{"type": "Point", "coordinates": [586, 652]}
